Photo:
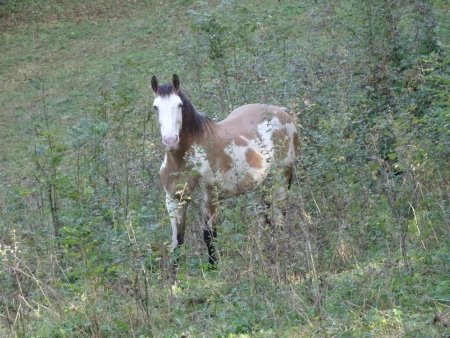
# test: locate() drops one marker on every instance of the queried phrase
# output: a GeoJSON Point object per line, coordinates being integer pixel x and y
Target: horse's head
{"type": "Point", "coordinates": [168, 107]}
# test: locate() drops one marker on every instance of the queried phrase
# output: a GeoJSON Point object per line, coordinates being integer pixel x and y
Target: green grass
{"type": "Point", "coordinates": [339, 271]}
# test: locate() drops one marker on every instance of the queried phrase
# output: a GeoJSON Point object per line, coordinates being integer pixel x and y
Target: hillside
{"type": "Point", "coordinates": [84, 234]}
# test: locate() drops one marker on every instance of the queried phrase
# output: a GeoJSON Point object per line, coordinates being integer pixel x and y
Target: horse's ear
{"type": "Point", "coordinates": [154, 83]}
{"type": "Point", "coordinates": [175, 82]}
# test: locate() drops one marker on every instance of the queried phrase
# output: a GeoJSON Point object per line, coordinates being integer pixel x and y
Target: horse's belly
{"type": "Point", "coordinates": [248, 166]}
{"type": "Point", "coordinates": [249, 169]}
{"type": "Point", "coordinates": [237, 183]}
{"type": "Point", "coordinates": [244, 169]}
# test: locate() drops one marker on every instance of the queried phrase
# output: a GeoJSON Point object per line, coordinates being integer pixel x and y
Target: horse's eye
{"type": "Point", "coordinates": [155, 108]}
{"type": "Point", "coordinates": [180, 105]}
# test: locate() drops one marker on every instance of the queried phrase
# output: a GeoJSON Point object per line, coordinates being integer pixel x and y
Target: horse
{"type": "Point", "coordinates": [221, 159]}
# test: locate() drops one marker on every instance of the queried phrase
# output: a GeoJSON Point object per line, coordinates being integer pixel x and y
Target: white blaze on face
{"type": "Point", "coordinates": [169, 118]}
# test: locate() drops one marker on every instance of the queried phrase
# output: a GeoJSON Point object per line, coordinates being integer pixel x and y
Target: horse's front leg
{"type": "Point", "coordinates": [210, 225]}
{"type": "Point", "coordinates": [177, 215]}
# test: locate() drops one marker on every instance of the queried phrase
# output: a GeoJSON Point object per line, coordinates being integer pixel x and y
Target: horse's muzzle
{"type": "Point", "coordinates": [171, 142]}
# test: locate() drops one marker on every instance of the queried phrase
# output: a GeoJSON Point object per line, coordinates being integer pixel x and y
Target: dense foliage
{"type": "Point", "coordinates": [83, 230]}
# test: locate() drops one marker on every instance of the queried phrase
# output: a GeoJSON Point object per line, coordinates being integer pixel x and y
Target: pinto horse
{"type": "Point", "coordinates": [225, 158]}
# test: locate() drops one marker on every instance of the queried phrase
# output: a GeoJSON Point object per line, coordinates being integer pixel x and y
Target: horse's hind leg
{"type": "Point", "coordinates": [210, 225]}
{"type": "Point", "coordinates": [277, 238]}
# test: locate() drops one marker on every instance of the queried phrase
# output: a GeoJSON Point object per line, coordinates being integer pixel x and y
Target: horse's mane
{"type": "Point", "coordinates": [195, 124]}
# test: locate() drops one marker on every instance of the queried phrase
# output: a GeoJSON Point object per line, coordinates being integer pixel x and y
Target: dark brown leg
{"type": "Point", "coordinates": [210, 225]}
{"type": "Point", "coordinates": [209, 236]}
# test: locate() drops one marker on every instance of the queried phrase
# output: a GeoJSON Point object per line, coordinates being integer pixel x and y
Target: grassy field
{"type": "Point", "coordinates": [83, 230]}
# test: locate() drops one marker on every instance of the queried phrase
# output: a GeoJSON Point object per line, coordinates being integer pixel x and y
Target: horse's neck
{"type": "Point", "coordinates": [180, 156]}
{"type": "Point", "coordinates": [176, 159]}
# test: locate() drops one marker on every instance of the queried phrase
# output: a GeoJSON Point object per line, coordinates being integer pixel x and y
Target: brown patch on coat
{"type": "Point", "coordinates": [253, 158]}
{"type": "Point", "coordinates": [225, 161]}
{"type": "Point", "coordinates": [240, 141]}
{"type": "Point", "coordinates": [283, 116]}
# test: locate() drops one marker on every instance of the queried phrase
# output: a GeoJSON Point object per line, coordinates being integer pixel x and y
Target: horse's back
{"type": "Point", "coordinates": [255, 113]}
{"type": "Point", "coordinates": [269, 123]}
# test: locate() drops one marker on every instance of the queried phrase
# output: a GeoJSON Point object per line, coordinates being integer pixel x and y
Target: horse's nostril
{"type": "Point", "coordinates": [170, 140]}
